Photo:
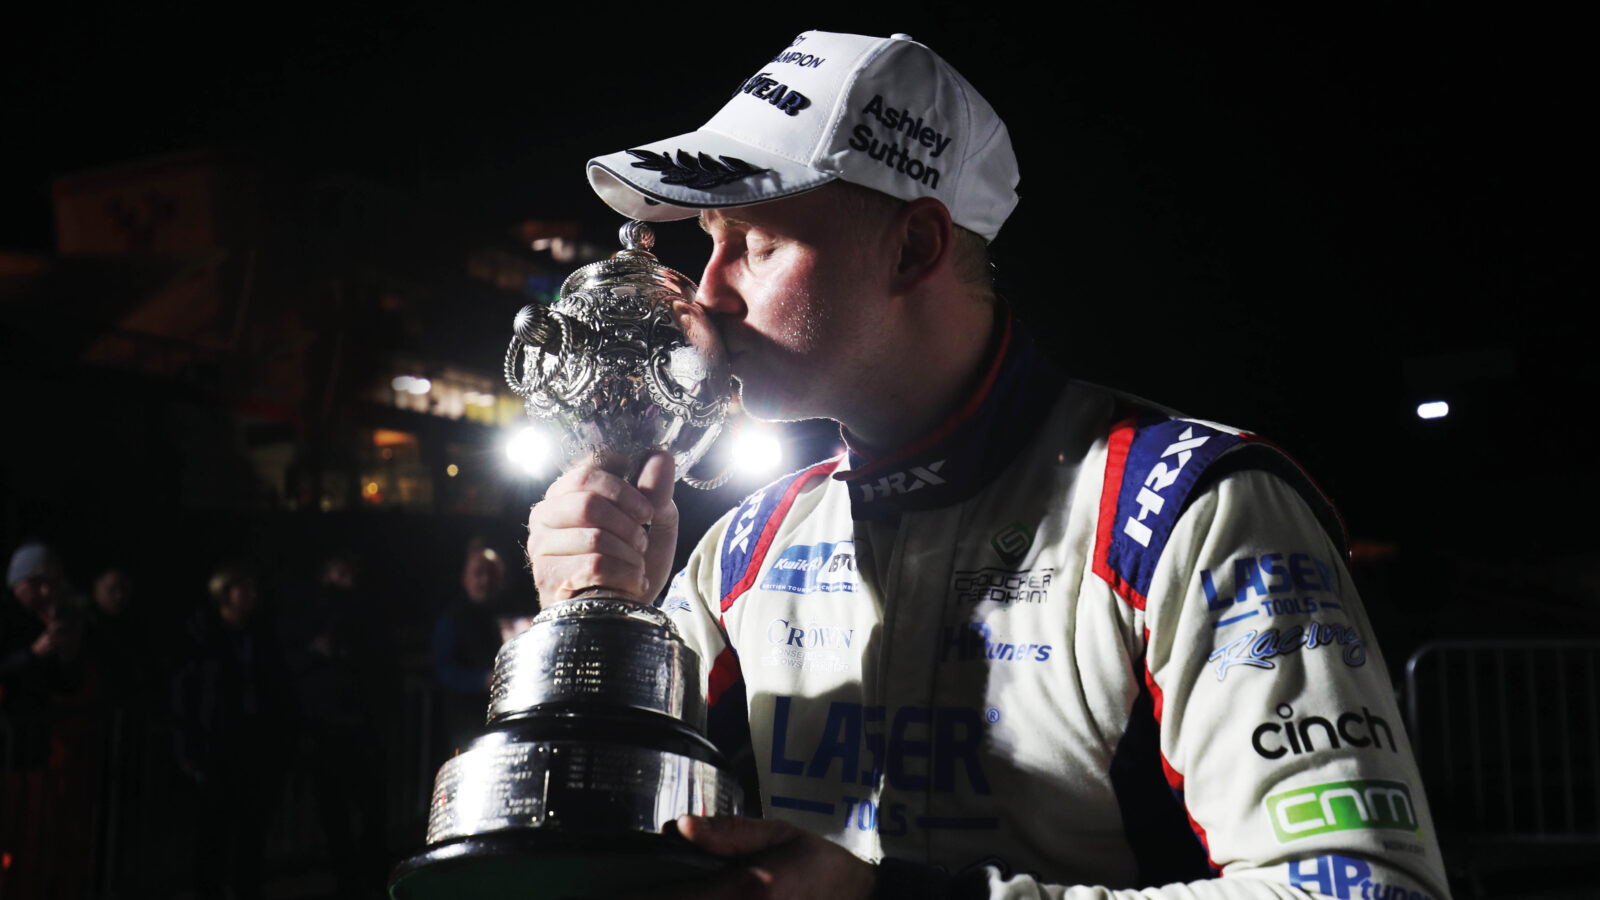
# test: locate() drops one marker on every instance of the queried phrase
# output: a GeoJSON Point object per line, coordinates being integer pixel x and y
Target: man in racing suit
{"type": "Point", "coordinates": [1028, 635]}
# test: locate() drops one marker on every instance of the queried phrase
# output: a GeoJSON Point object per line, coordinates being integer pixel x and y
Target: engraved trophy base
{"type": "Point", "coordinates": [586, 756]}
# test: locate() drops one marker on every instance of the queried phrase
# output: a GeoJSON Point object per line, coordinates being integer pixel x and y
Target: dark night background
{"type": "Point", "coordinates": [1296, 221]}
{"type": "Point", "coordinates": [1283, 220]}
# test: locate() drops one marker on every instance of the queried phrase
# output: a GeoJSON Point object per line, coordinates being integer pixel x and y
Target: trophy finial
{"type": "Point", "coordinates": [636, 236]}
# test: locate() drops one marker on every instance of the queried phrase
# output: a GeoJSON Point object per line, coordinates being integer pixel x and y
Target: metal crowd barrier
{"type": "Point", "coordinates": [1507, 735]}
{"type": "Point", "coordinates": [111, 820]}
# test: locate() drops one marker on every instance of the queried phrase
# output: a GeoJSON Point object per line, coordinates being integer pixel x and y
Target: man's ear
{"type": "Point", "coordinates": [925, 233]}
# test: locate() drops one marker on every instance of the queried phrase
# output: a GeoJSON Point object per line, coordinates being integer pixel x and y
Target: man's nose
{"type": "Point", "coordinates": [717, 293]}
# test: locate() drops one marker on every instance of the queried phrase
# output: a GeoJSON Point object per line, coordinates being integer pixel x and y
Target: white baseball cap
{"type": "Point", "coordinates": [884, 113]}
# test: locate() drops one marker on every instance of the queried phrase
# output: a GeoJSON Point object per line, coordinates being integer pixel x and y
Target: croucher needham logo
{"type": "Point", "coordinates": [901, 125]}
{"type": "Point", "coordinates": [699, 172]}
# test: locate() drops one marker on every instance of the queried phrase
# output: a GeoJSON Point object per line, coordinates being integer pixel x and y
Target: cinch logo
{"type": "Point", "coordinates": [1341, 806]}
{"type": "Point", "coordinates": [889, 485]}
{"type": "Point", "coordinates": [1272, 740]}
{"type": "Point", "coordinates": [1346, 878]}
{"type": "Point", "coordinates": [1011, 543]}
{"type": "Point", "coordinates": [924, 747]}
{"type": "Point", "coordinates": [1002, 585]}
{"type": "Point", "coordinates": [822, 568]}
{"type": "Point", "coordinates": [1160, 478]}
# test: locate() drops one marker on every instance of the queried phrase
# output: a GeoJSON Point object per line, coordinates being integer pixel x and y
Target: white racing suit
{"type": "Point", "coordinates": [1069, 644]}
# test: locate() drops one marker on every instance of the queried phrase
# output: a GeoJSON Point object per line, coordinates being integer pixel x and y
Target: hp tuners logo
{"type": "Point", "coordinates": [913, 479]}
{"type": "Point", "coordinates": [1348, 878]}
{"type": "Point", "coordinates": [1161, 477]}
{"type": "Point", "coordinates": [814, 569]}
{"type": "Point", "coordinates": [977, 641]}
{"type": "Point", "coordinates": [1341, 806]}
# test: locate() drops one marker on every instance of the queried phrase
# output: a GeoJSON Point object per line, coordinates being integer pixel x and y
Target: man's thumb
{"type": "Point", "coordinates": [735, 835]}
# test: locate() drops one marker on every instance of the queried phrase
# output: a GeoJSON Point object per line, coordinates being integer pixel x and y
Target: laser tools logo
{"type": "Point", "coordinates": [1341, 806]}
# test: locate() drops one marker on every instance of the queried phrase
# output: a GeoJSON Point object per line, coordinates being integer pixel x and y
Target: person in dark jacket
{"type": "Point", "coordinates": [232, 711]}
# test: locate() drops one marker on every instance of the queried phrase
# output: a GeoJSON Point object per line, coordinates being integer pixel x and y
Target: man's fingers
{"type": "Point", "coordinates": [591, 479]}
{"type": "Point", "coordinates": [735, 835]}
{"type": "Point", "coordinates": [594, 541]}
{"type": "Point", "coordinates": [583, 512]}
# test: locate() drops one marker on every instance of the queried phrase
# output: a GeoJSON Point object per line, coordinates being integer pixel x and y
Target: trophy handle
{"type": "Point", "coordinates": [708, 484]}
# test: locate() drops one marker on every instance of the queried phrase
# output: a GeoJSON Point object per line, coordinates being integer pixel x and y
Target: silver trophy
{"type": "Point", "coordinates": [594, 736]}
{"type": "Point", "coordinates": [625, 362]}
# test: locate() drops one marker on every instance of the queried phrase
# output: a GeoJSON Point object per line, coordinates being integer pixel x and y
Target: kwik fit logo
{"type": "Point", "coordinates": [1341, 806]}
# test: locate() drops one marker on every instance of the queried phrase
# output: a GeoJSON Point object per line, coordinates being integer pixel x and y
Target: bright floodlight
{"type": "Point", "coordinates": [757, 451]}
{"type": "Point", "coordinates": [529, 450]}
{"type": "Point", "coordinates": [1433, 409]}
{"type": "Point", "coordinates": [411, 384]}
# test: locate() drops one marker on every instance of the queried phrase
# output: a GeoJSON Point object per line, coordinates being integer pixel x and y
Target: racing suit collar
{"type": "Point", "coordinates": [956, 458]}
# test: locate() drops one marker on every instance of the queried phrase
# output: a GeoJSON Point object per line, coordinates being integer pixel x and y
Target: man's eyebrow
{"type": "Point", "coordinates": [727, 220]}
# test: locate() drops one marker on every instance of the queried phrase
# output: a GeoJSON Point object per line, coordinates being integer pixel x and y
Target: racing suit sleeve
{"type": "Point", "coordinates": [1278, 727]}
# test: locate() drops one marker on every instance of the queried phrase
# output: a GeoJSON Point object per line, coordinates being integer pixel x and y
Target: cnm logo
{"type": "Point", "coordinates": [1341, 806]}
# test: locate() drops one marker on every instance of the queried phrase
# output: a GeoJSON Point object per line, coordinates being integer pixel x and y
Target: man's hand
{"type": "Point", "coordinates": [593, 529]}
{"type": "Point", "coordinates": [777, 861]}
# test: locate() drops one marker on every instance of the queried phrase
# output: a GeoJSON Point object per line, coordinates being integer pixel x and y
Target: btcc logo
{"type": "Point", "coordinates": [824, 567]}
{"type": "Point", "coordinates": [890, 485]}
{"type": "Point", "coordinates": [1160, 478]}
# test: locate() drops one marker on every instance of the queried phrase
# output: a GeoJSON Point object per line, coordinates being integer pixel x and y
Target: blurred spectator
{"type": "Point", "coordinates": [232, 711]}
{"type": "Point", "coordinates": [119, 642]}
{"type": "Point", "coordinates": [466, 637]}
{"type": "Point", "coordinates": [41, 636]}
{"type": "Point", "coordinates": [347, 679]}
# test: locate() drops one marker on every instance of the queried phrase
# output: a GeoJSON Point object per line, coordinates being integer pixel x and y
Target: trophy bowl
{"type": "Point", "coordinates": [624, 363]}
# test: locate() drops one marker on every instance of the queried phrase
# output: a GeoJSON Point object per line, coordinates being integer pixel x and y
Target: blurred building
{"type": "Point", "coordinates": [247, 337]}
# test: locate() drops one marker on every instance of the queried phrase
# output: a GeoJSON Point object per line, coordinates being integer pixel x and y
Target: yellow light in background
{"type": "Point", "coordinates": [370, 489]}
{"type": "Point", "coordinates": [452, 470]}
